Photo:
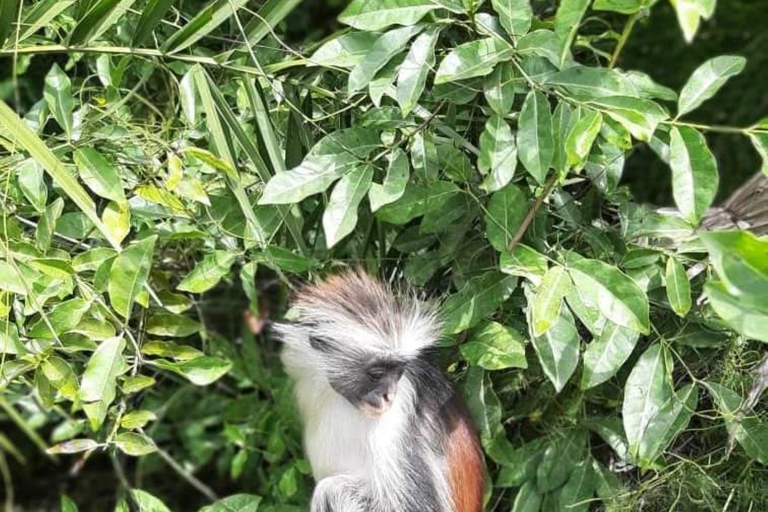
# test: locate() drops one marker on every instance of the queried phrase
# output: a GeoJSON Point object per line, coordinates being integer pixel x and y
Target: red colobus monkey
{"type": "Point", "coordinates": [384, 430]}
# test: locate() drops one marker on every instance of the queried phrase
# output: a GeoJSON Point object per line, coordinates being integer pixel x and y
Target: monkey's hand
{"type": "Point", "coordinates": [339, 493]}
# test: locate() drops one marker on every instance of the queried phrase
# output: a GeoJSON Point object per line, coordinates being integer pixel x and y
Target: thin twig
{"type": "Point", "coordinates": [623, 40]}
{"type": "Point", "coordinates": [532, 212]}
{"type": "Point", "coordinates": [186, 475]}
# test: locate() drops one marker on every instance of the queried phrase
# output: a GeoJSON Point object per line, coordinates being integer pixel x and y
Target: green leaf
{"type": "Point", "coordinates": [475, 58]}
{"type": "Point", "coordinates": [135, 444]}
{"type": "Point", "coordinates": [607, 353]}
{"type": "Point", "coordinates": [477, 300]}
{"type": "Point", "coordinates": [760, 142]}
{"type": "Point", "coordinates": [579, 142]}
{"type": "Point", "coordinates": [213, 15]}
{"type": "Point", "coordinates": [40, 15]}
{"type": "Point", "coordinates": [525, 262]}
{"type": "Point", "coordinates": [519, 466]}
{"type": "Point", "coordinates": [592, 83]}
{"type": "Point", "coordinates": [208, 273]}
{"type": "Point", "coordinates": [97, 387]}
{"type": "Point", "coordinates": [137, 419]}
{"type": "Point", "coordinates": [147, 503]}
{"type": "Point", "coordinates": [9, 10]}
{"type": "Point", "coordinates": [671, 419]}
{"type": "Point", "coordinates": [689, 14]}
{"type": "Point", "coordinates": [483, 404]}
{"type": "Point", "coordinates": [394, 184]}
{"type": "Point", "coordinates": [562, 120]}
{"type": "Point", "coordinates": [749, 431]}
{"type": "Point", "coordinates": [151, 16]}
{"type": "Point", "coordinates": [101, 15]}
{"type": "Point", "coordinates": [558, 350]}
{"type": "Point", "coordinates": [412, 76]}
{"type": "Point", "coordinates": [707, 80]}
{"type": "Point", "coordinates": [169, 324]}
{"type": "Point", "coordinates": [578, 490]}
{"type": "Point", "coordinates": [611, 430]}
{"type": "Point", "coordinates": [498, 154]}
{"type": "Point", "coordinates": [332, 157]}
{"type": "Point", "coordinates": [200, 371]}
{"type": "Point", "coordinates": [678, 287]}
{"type": "Point", "coordinates": [615, 295]}
{"type": "Point", "coordinates": [535, 143]}
{"type": "Point", "coordinates": [373, 16]}
{"type": "Point", "coordinates": [560, 459]}
{"type": "Point", "coordinates": [545, 304]}
{"type": "Point", "coordinates": [61, 376]}
{"type": "Point", "coordinates": [424, 156]}
{"type": "Point", "coordinates": [504, 214]}
{"type": "Point", "coordinates": [47, 224]}
{"type": "Point", "coordinates": [418, 200]}
{"type": "Point", "coordinates": [63, 317]}
{"type": "Point", "coordinates": [99, 174]}
{"type": "Point", "coordinates": [640, 117]}
{"type": "Point", "coordinates": [499, 88]}
{"type": "Point", "coordinates": [58, 94]}
{"type": "Point", "coordinates": [621, 6]}
{"type": "Point", "coordinates": [527, 499]}
{"type": "Point", "coordinates": [567, 22]}
{"type": "Point", "coordinates": [748, 317]}
{"type": "Point", "coordinates": [340, 216]}
{"type": "Point", "coordinates": [235, 503]}
{"type": "Point", "coordinates": [741, 261]}
{"type": "Point", "coordinates": [32, 184]}
{"type": "Point", "coordinates": [345, 51]}
{"type": "Point", "coordinates": [514, 15]}
{"type": "Point", "coordinates": [646, 391]}
{"type": "Point", "coordinates": [117, 219]}
{"type": "Point", "coordinates": [136, 383]}
{"type": "Point", "coordinates": [10, 280]}
{"type": "Point", "coordinates": [73, 446]}
{"type": "Point", "coordinates": [67, 505]}
{"type": "Point", "coordinates": [694, 173]}
{"type": "Point", "coordinates": [495, 347]}
{"type": "Point", "coordinates": [541, 43]}
{"type": "Point", "coordinates": [385, 47]}
{"type": "Point", "coordinates": [129, 273]}
{"type": "Point", "coordinates": [263, 23]}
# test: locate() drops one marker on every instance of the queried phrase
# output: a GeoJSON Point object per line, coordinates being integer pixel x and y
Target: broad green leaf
{"type": "Point", "coordinates": [476, 58]}
{"type": "Point", "coordinates": [61, 376]}
{"type": "Point", "coordinates": [73, 446]}
{"type": "Point", "coordinates": [117, 219]}
{"type": "Point", "coordinates": [129, 273]}
{"type": "Point", "coordinates": [151, 16]}
{"type": "Point", "coordinates": [640, 117]}
{"type": "Point", "coordinates": [147, 503]}
{"type": "Point", "coordinates": [137, 419]}
{"type": "Point", "coordinates": [134, 444]}
{"type": "Point", "coordinates": [689, 14]}
{"type": "Point", "coordinates": [47, 225]}
{"type": "Point", "coordinates": [545, 304]}
{"type": "Point", "coordinates": [607, 353]}
{"type": "Point", "coordinates": [577, 492]}
{"type": "Point", "coordinates": [97, 387]}
{"type": "Point", "coordinates": [499, 88]}
{"type": "Point", "coordinates": [91, 259]}
{"type": "Point", "coordinates": [394, 184]}
{"type": "Point", "coordinates": [694, 173]}
{"type": "Point", "coordinates": [477, 300]}
{"type": "Point", "coordinates": [541, 43]}
{"type": "Point", "coordinates": [212, 15]}
{"type": "Point", "coordinates": [101, 15]}
{"type": "Point", "coordinates": [136, 383]}
{"type": "Point", "coordinates": [707, 80]}
{"type": "Point", "coordinates": [646, 391]}
{"type": "Point", "coordinates": [373, 16]}
{"type": "Point", "coordinates": [58, 94]}
{"type": "Point", "coordinates": [534, 137]}
{"type": "Point", "coordinates": [412, 75]}
{"type": "Point", "coordinates": [384, 81]}
{"type": "Point", "coordinates": [208, 273]}
{"type": "Point", "coordinates": [170, 349]}
{"type": "Point", "coordinates": [417, 201]}
{"type": "Point", "coordinates": [235, 503]}
{"type": "Point", "coordinates": [527, 499]}
{"type": "Point", "coordinates": [498, 154]}
{"type": "Point", "coordinates": [746, 316]}
{"type": "Point", "coordinates": [525, 262]}
{"type": "Point", "coordinates": [32, 184]}
{"type": "Point", "coordinates": [169, 324]}
{"type": "Point", "coordinates": [385, 47]}
{"type": "Point", "coordinates": [345, 51]}
{"type": "Point", "coordinates": [200, 371]}
{"type": "Point", "coordinates": [579, 142]}
{"type": "Point", "coordinates": [558, 350]}
{"type": "Point", "coordinates": [332, 157]}
{"type": "Point", "coordinates": [340, 216]}
{"type": "Point", "coordinates": [99, 174]}
{"type": "Point", "coordinates": [612, 431]}
{"type": "Point", "coordinates": [424, 157]}
{"type": "Point", "coordinates": [495, 347]}
{"type": "Point", "coordinates": [505, 213]}
{"type": "Point", "coordinates": [9, 339]}
{"type": "Point", "coordinates": [622, 6]}
{"type": "Point", "coordinates": [749, 431]}
{"type": "Point", "coordinates": [671, 419]}
{"type": "Point", "coordinates": [678, 287]}
{"type": "Point", "coordinates": [514, 15]}
{"type": "Point", "coordinates": [741, 261]}
{"type": "Point", "coordinates": [63, 317]}
{"type": "Point", "coordinates": [10, 280]}
{"type": "Point", "coordinates": [615, 295]}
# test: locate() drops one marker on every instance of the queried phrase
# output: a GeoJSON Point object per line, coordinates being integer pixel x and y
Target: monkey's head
{"type": "Point", "coordinates": [355, 333]}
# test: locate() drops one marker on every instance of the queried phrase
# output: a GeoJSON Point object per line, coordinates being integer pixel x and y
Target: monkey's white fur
{"type": "Point", "coordinates": [349, 451]}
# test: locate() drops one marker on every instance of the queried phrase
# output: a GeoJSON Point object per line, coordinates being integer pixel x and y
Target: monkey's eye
{"type": "Point", "coordinates": [376, 373]}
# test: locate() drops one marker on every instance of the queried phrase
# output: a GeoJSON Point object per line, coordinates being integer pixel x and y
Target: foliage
{"type": "Point", "coordinates": [172, 175]}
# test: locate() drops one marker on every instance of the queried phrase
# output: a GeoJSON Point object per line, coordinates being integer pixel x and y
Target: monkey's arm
{"type": "Point", "coordinates": [340, 493]}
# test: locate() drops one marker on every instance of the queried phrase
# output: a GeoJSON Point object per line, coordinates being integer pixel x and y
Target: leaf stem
{"type": "Point", "coordinates": [532, 212]}
{"type": "Point", "coordinates": [717, 128]}
{"type": "Point", "coordinates": [623, 40]}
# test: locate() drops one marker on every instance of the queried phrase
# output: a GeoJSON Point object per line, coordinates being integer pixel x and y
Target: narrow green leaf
{"type": "Point", "coordinates": [694, 173]}
{"type": "Point", "coordinates": [40, 15]}
{"type": "Point", "coordinates": [129, 273]}
{"type": "Point", "coordinates": [476, 58]}
{"type": "Point", "coordinates": [567, 22]}
{"type": "Point", "coordinates": [208, 273]}
{"type": "Point", "coordinates": [73, 446]}
{"type": "Point", "coordinates": [170, 324]}
{"type": "Point", "coordinates": [213, 15]}
{"type": "Point", "coordinates": [545, 304]}
{"type": "Point", "coordinates": [200, 371]}
{"type": "Point", "coordinates": [558, 350]}
{"type": "Point", "coordinates": [504, 214]}
{"type": "Point", "coordinates": [678, 287]}
{"type": "Point", "coordinates": [9, 10]}
{"type": "Point", "coordinates": [495, 347]}
{"type": "Point", "coordinates": [387, 46]}
{"type": "Point", "coordinates": [607, 353]}
{"type": "Point", "coordinates": [374, 16]}
{"type": "Point", "coordinates": [640, 117]}
{"type": "Point", "coordinates": [58, 94]}
{"type": "Point", "coordinates": [527, 498]}
{"type": "Point", "coordinates": [137, 419]}
{"type": "Point", "coordinates": [269, 15]}
{"type": "Point", "coordinates": [418, 200]}
{"type": "Point", "coordinates": [47, 224]}
{"type": "Point", "coordinates": [98, 19]}
{"type": "Point", "coordinates": [345, 51]}
{"type": "Point", "coordinates": [412, 75]}
{"type": "Point", "coordinates": [32, 184]}
{"type": "Point", "coordinates": [535, 143]}
{"type": "Point", "coordinates": [498, 154]}
{"type": "Point", "coordinates": [151, 17]}
{"type": "Point", "coordinates": [580, 139]}
{"type": "Point", "coordinates": [620, 6]}
{"type": "Point", "coordinates": [340, 216]}
{"type": "Point", "coordinates": [394, 184]}
{"type": "Point", "coordinates": [562, 120]}
{"type": "Point", "coordinates": [135, 444]}
{"type": "Point", "coordinates": [97, 387]}
{"type": "Point", "coordinates": [707, 80]}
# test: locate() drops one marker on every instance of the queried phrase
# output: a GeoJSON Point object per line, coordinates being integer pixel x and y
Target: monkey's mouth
{"type": "Point", "coordinates": [375, 411]}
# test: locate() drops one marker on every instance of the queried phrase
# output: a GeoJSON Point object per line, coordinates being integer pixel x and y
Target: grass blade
{"type": "Point", "coordinates": [150, 18]}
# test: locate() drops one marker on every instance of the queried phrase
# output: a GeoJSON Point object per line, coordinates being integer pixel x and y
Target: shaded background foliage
{"type": "Point", "coordinates": [239, 434]}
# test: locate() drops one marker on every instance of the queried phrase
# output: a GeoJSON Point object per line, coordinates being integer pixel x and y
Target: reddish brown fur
{"type": "Point", "coordinates": [466, 465]}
